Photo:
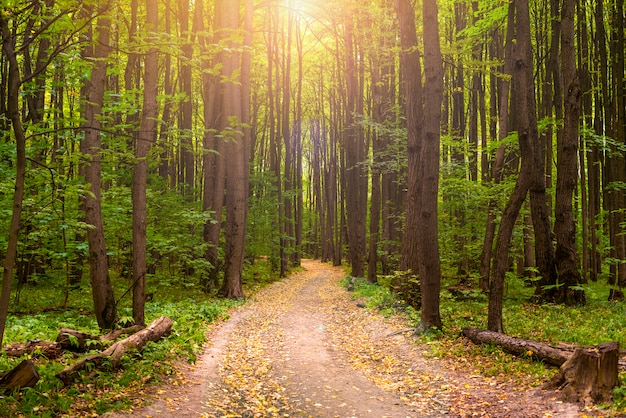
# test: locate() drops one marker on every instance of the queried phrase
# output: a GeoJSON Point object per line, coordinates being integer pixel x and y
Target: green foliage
{"type": "Point", "coordinates": [262, 233]}
{"type": "Point", "coordinates": [379, 296]}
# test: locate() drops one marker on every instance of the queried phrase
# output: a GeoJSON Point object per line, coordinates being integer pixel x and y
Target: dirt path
{"type": "Point", "coordinates": [302, 348]}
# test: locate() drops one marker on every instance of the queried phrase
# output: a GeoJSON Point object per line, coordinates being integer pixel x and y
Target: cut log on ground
{"type": "Point", "coordinates": [589, 375]}
{"type": "Point", "coordinates": [519, 346]}
{"type": "Point", "coordinates": [23, 375]}
{"type": "Point", "coordinates": [47, 349]}
{"type": "Point", "coordinates": [73, 340]}
{"type": "Point", "coordinates": [112, 355]}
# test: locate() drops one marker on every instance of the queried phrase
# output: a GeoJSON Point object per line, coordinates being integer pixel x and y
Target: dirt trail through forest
{"type": "Point", "coordinates": [303, 348]}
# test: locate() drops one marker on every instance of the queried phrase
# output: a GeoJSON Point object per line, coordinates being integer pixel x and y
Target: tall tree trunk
{"type": "Point", "coordinates": [93, 91]}
{"type": "Point", "coordinates": [428, 254]}
{"type": "Point", "coordinates": [354, 157]}
{"type": "Point", "coordinates": [213, 165]}
{"type": "Point", "coordinates": [236, 169]}
{"type": "Point", "coordinates": [13, 113]}
{"type": "Point", "coordinates": [500, 112]}
{"type": "Point", "coordinates": [145, 137]}
{"type": "Point", "coordinates": [567, 167]}
{"type": "Point", "coordinates": [186, 110]}
{"type": "Point", "coordinates": [523, 85]}
{"type": "Point", "coordinates": [411, 72]}
{"type": "Point", "coordinates": [619, 134]}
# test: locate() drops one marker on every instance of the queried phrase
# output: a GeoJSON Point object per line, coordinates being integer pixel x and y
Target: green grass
{"type": "Point", "coordinates": [96, 392]}
{"type": "Point", "coordinates": [598, 321]}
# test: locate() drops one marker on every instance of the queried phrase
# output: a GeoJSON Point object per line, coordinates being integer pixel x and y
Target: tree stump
{"type": "Point", "coordinates": [22, 376]}
{"type": "Point", "coordinates": [589, 375]}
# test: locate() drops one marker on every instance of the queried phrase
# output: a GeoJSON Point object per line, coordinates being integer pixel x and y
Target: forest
{"type": "Point", "coordinates": [205, 147]}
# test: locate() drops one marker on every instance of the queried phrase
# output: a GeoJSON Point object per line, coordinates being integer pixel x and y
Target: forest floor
{"type": "Point", "coordinates": [303, 348]}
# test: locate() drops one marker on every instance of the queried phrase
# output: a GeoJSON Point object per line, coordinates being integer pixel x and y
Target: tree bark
{"type": "Point", "coordinates": [13, 112]}
{"type": "Point", "coordinates": [567, 168]}
{"type": "Point", "coordinates": [518, 346]}
{"type": "Point", "coordinates": [23, 375]}
{"type": "Point", "coordinates": [428, 254]}
{"type": "Point", "coordinates": [412, 87]}
{"type": "Point", "coordinates": [354, 147]}
{"type": "Point", "coordinates": [186, 109]}
{"type": "Point", "coordinates": [236, 169]}
{"type": "Point", "coordinates": [589, 375]}
{"type": "Point", "coordinates": [91, 145]}
{"type": "Point", "coordinates": [140, 173]}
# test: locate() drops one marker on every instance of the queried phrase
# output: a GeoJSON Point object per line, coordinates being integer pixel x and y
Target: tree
{"type": "Point", "coordinates": [567, 168]}
{"type": "Point", "coordinates": [423, 115]}
{"type": "Point", "coordinates": [236, 169]}
{"type": "Point", "coordinates": [91, 147]}
{"type": "Point", "coordinates": [13, 111]}
{"type": "Point", "coordinates": [531, 165]}
{"type": "Point", "coordinates": [146, 136]}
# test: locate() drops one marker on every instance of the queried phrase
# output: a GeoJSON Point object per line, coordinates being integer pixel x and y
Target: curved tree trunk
{"type": "Point", "coordinates": [20, 171]}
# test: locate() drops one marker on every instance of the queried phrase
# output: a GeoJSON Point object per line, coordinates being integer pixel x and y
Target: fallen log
{"type": "Point", "coordinates": [73, 340]}
{"type": "Point", "coordinates": [112, 355]}
{"type": "Point", "coordinates": [47, 349]}
{"type": "Point", "coordinates": [519, 346]}
{"type": "Point", "coordinates": [22, 376]}
{"type": "Point", "coordinates": [589, 375]}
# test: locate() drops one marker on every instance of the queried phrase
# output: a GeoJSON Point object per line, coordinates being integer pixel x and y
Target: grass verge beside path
{"type": "Point", "coordinates": [598, 321]}
{"type": "Point", "coordinates": [97, 392]}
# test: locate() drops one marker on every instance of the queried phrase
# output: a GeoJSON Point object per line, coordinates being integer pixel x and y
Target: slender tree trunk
{"type": "Point", "coordinates": [410, 64]}
{"type": "Point", "coordinates": [213, 158]}
{"type": "Point", "coordinates": [102, 292]}
{"type": "Point", "coordinates": [140, 173]}
{"type": "Point", "coordinates": [500, 107]}
{"type": "Point", "coordinates": [428, 254]}
{"type": "Point", "coordinates": [13, 112]}
{"type": "Point", "coordinates": [619, 132]}
{"type": "Point", "coordinates": [522, 83]}
{"type": "Point", "coordinates": [186, 110]}
{"type": "Point", "coordinates": [354, 157]}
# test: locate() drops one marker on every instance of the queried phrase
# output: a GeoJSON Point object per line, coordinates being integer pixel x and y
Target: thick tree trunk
{"type": "Point", "coordinates": [567, 169]}
{"type": "Point", "coordinates": [236, 169]}
{"type": "Point", "coordinates": [356, 200]}
{"type": "Point", "coordinates": [159, 328]}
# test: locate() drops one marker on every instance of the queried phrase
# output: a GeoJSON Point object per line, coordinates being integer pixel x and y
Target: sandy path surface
{"type": "Point", "coordinates": [303, 348]}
